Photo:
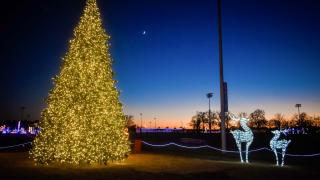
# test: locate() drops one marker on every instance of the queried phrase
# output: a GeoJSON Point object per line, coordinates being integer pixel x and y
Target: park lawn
{"type": "Point", "coordinates": [18, 165]}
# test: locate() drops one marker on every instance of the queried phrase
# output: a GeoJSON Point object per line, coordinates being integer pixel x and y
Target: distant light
{"type": "Point", "coordinates": [144, 32]}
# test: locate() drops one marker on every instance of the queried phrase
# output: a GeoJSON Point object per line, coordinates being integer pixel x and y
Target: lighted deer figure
{"type": "Point", "coordinates": [245, 136]}
{"type": "Point", "coordinates": [279, 144]}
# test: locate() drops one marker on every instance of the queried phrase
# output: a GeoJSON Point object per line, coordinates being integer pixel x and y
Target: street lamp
{"type": "Point", "coordinates": [209, 95]}
{"type": "Point", "coordinates": [155, 123]}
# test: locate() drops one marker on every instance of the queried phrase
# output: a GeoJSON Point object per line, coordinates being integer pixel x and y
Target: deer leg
{"type": "Point", "coordinates": [247, 151]}
{"type": "Point", "coordinates": [240, 152]}
{"type": "Point", "coordinates": [275, 152]}
{"type": "Point", "coordinates": [283, 154]}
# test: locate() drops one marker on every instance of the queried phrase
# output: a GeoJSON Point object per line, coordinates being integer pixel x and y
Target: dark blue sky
{"type": "Point", "coordinates": [271, 54]}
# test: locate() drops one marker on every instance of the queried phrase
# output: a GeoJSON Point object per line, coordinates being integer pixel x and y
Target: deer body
{"type": "Point", "coordinates": [245, 136]}
{"type": "Point", "coordinates": [279, 144]}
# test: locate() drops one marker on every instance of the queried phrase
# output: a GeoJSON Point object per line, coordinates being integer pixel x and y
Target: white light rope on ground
{"type": "Point", "coordinates": [17, 145]}
{"type": "Point", "coordinates": [191, 147]}
{"type": "Point", "coordinates": [227, 151]}
{"type": "Point", "coordinates": [303, 155]}
{"type": "Point", "coordinates": [188, 147]}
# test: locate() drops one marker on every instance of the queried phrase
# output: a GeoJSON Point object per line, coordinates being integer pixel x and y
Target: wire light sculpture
{"type": "Point", "coordinates": [245, 136]}
{"type": "Point", "coordinates": [279, 144]}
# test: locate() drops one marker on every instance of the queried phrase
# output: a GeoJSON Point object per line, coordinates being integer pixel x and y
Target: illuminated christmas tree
{"type": "Point", "coordinates": [83, 122]}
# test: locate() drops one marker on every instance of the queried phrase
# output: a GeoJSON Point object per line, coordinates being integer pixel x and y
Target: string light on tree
{"type": "Point", "coordinates": [83, 121]}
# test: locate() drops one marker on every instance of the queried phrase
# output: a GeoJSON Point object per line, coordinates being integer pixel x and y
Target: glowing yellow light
{"type": "Point", "coordinates": [83, 122]}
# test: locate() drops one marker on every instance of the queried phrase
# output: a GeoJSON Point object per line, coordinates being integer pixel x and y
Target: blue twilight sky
{"type": "Point", "coordinates": [271, 54]}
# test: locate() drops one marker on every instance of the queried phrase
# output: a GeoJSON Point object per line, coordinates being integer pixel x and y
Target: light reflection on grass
{"type": "Point", "coordinates": [146, 166]}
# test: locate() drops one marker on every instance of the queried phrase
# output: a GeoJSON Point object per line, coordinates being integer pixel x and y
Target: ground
{"type": "Point", "coordinates": [18, 165]}
{"type": "Point", "coordinates": [173, 162]}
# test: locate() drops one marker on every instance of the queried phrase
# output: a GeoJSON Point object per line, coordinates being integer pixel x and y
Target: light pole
{"type": "Point", "coordinates": [223, 84]}
{"type": "Point", "coordinates": [155, 123]}
{"type": "Point", "coordinates": [209, 95]}
{"type": "Point", "coordinates": [298, 106]}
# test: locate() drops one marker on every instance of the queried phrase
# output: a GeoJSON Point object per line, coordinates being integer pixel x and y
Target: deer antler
{"type": "Point", "coordinates": [233, 117]}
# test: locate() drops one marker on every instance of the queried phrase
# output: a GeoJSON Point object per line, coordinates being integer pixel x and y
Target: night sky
{"type": "Point", "coordinates": [271, 54]}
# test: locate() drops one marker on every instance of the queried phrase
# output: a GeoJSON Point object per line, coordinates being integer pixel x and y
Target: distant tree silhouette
{"type": "Point", "coordinates": [216, 119]}
{"type": "Point", "coordinates": [130, 121]}
{"type": "Point", "coordinates": [130, 124]}
{"type": "Point", "coordinates": [278, 121]}
{"type": "Point", "coordinates": [209, 95]}
{"type": "Point", "coordinates": [195, 122]}
{"type": "Point", "coordinates": [203, 119]}
{"type": "Point", "coordinates": [316, 121]}
{"type": "Point", "coordinates": [303, 121]}
{"type": "Point", "coordinates": [258, 119]}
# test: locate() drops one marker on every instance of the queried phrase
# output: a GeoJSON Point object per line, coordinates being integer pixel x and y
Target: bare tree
{"type": "Point", "coordinates": [203, 119]}
{"type": "Point", "coordinates": [258, 119]}
{"type": "Point", "coordinates": [303, 121]}
{"type": "Point", "coordinates": [315, 121]}
{"type": "Point", "coordinates": [130, 121]}
{"type": "Point", "coordinates": [278, 121]}
{"type": "Point", "coordinates": [209, 95]}
{"type": "Point", "coordinates": [196, 122]}
{"type": "Point", "coordinates": [215, 119]}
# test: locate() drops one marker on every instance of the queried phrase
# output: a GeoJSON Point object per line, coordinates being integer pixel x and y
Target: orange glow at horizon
{"type": "Point", "coordinates": [180, 116]}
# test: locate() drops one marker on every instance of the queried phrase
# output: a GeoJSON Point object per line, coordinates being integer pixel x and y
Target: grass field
{"type": "Point", "coordinates": [173, 162]}
{"type": "Point", "coordinates": [17, 165]}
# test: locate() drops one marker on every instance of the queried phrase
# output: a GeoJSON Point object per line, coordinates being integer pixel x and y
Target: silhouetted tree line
{"type": "Point", "coordinates": [200, 121]}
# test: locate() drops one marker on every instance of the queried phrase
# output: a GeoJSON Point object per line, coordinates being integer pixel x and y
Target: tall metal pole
{"type": "Point", "coordinates": [209, 117]}
{"type": "Point", "coordinates": [222, 89]}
